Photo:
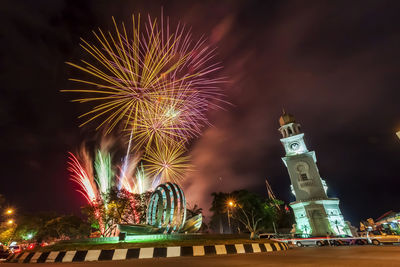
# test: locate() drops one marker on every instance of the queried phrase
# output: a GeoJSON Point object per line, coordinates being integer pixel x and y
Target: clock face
{"type": "Point", "coordinates": [294, 146]}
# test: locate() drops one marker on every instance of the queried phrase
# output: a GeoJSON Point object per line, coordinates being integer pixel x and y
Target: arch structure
{"type": "Point", "coordinates": [167, 208]}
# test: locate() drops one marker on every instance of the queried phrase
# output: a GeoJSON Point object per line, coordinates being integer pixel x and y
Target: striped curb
{"type": "Point", "coordinates": [143, 253]}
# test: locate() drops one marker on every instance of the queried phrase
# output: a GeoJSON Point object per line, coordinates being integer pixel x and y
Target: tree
{"type": "Point", "coordinates": [195, 210]}
{"type": "Point", "coordinates": [219, 211]}
{"type": "Point", "coordinates": [141, 202]}
{"type": "Point", "coordinates": [64, 227]}
{"type": "Point", "coordinates": [6, 233]}
{"type": "Point", "coordinates": [245, 211]}
{"type": "Point", "coordinates": [118, 207]}
{"type": "Point", "coordinates": [250, 210]}
{"type": "Point", "coordinates": [49, 227]}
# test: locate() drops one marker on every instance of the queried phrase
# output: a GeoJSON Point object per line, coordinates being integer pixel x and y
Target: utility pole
{"type": "Point", "coordinates": [229, 205]}
{"type": "Point", "coordinates": [229, 222]}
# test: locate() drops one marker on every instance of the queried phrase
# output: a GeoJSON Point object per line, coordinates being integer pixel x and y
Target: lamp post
{"type": "Point", "coordinates": [8, 216]}
{"type": "Point", "coordinates": [230, 204]}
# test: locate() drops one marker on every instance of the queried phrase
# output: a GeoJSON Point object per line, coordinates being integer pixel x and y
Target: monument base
{"type": "Point", "coordinates": [319, 217]}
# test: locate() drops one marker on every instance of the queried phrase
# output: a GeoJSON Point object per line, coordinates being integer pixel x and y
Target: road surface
{"type": "Point", "coordinates": [306, 256]}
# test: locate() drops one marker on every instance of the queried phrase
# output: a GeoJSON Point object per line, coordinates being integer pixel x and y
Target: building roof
{"type": "Point", "coordinates": [387, 215]}
{"type": "Point", "coordinates": [286, 118]}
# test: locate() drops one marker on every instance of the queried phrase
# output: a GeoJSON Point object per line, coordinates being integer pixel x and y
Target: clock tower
{"type": "Point", "coordinates": [315, 213]}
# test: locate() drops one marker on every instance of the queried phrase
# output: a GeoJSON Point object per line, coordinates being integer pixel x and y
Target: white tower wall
{"type": "Point", "coordinates": [315, 213]}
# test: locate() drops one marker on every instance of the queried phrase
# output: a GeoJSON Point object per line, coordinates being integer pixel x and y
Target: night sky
{"type": "Point", "coordinates": [333, 64]}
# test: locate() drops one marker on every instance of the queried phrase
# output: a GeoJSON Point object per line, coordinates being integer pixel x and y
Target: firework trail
{"type": "Point", "coordinates": [83, 178]}
{"type": "Point", "coordinates": [127, 174]}
{"type": "Point", "coordinates": [125, 161]}
{"type": "Point", "coordinates": [104, 173]}
{"type": "Point", "coordinates": [141, 180]}
{"type": "Point", "coordinates": [156, 181]}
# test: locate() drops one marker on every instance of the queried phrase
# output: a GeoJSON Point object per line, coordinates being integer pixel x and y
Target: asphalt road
{"type": "Point", "coordinates": [308, 256]}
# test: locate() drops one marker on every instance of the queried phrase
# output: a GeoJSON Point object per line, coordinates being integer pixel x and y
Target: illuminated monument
{"type": "Point", "coordinates": [315, 213]}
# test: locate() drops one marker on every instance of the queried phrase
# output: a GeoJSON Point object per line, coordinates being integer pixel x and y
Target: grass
{"type": "Point", "coordinates": [196, 240]}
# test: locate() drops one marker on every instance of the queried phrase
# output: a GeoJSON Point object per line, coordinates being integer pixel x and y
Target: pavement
{"type": "Point", "coordinates": [306, 256]}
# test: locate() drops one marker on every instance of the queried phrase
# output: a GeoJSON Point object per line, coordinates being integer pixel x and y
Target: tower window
{"type": "Point", "coordinates": [303, 177]}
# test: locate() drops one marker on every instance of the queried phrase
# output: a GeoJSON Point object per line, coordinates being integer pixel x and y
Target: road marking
{"type": "Point", "coordinates": [173, 251]}
{"type": "Point", "coordinates": [69, 256]}
{"type": "Point", "coordinates": [146, 253]}
{"type": "Point", "coordinates": [239, 248]}
{"type": "Point", "coordinates": [198, 251]}
{"type": "Point", "coordinates": [220, 249]}
{"type": "Point", "coordinates": [256, 248]}
{"type": "Point", "coordinates": [36, 257]}
{"type": "Point", "coordinates": [22, 258]}
{"type": "Point", "coordinates": [52, 256]}
{"type": "Point", "coordinates": [268, 247]}
{"type": "Point", "coordinates": [120, 254]}
{"type": "Point", "coordinates": [93, 255]}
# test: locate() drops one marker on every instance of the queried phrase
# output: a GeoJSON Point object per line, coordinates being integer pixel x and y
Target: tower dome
{"type": "Point", "coordinates": [286, 118]}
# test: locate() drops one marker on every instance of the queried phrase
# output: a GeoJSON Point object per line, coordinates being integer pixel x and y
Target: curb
{"type": "Point", "coordinates": [143, 253]}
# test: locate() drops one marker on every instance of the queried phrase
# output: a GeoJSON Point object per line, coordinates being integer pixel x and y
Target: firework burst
{"type": "Point", "coordinates": [167, 162]}
{"type": "Point", "coordinates": [160, 71]}
{"type": "Point", "coordinates": [157, 84]}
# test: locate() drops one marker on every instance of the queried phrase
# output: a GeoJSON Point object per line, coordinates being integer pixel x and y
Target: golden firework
{"type": "Point", "coordinates": [167, 161]}
{"type": "Point", "coordinates": [129, 75]}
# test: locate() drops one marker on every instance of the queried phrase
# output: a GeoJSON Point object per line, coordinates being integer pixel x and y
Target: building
{"type": "Point", "coordinates": [314, 211]}
{"type": "Point", "coordinates": [389, 222]}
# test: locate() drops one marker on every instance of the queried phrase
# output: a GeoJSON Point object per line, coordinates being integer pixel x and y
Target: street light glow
{"type": "Point", "coordinates": [231, 203]}
{"type": "Point", "coordinates": [9, 211]}
{"type": "Point", "coordinates": [10, 221]}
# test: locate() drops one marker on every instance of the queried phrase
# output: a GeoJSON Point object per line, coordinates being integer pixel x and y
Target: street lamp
{"type": "Point", "coordinates": [10, 221]}
{"type": "Point", "coordinates": [9, 211]}
{"type": "Point", "coordinates": [230, 203]}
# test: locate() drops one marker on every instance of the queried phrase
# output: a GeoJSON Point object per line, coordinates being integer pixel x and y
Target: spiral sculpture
{"type": "Point", "coordinates": [167, 208]}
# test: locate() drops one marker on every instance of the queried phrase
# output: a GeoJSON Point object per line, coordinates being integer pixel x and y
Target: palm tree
{"type": "Point", "coordinates": [194, 211]}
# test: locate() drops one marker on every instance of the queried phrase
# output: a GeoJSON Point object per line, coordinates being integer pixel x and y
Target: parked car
{"type": "Point", "coordinates": [15, 249]}
{"type": "Point", "coordinates": [306, 240]}
{"type": "Point", "coordinates": [267, 236]}
{"type": "Point", "coordinates": [378, 237]}
{"type": "Point", "coordinates": [302, 240]}
{"type": "Point", "coordinates": [32, 246]}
